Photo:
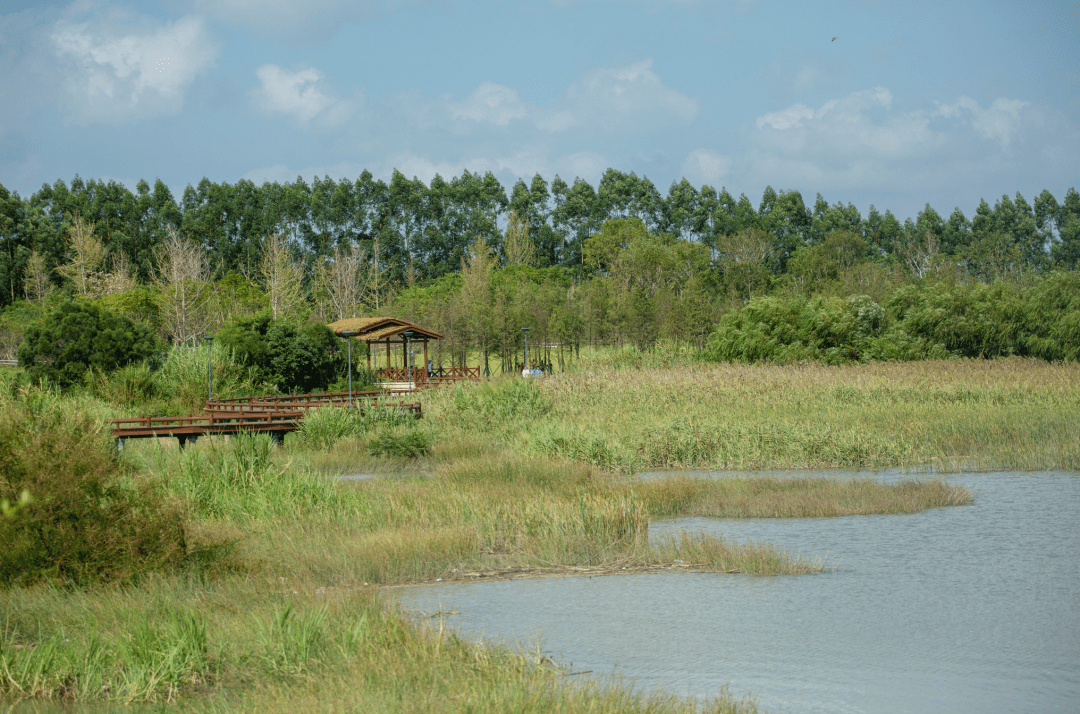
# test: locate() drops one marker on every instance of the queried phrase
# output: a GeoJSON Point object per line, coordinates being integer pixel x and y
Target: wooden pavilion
{"type": "Point", "coordinates": [388, 331]}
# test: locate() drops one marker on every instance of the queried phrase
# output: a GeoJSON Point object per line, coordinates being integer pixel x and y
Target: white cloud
{"type": "Point", "coordinates": [295, 17]}
{"type": "Point", "coordinates": [842, 131]}
{"type": "Point", "coordinates": [556, 122]}
{"type": "Point", "coordinates": [121, 66]}
{"type": "Point", "coordinates": [490, 103]}
{"type": "Point", "coordinates": [297, 94]}
{"type": "Point", "coordinates": [790, 118]}
{"type": "Point", "coordinates": [999, 122]}
{"type": "Point", "coordinates": [585, 164]}
{"type": "Point", "coordinates": [629, 96]}
{"type": "Point", "coordinates": [858, 143]}
{"type": "Point", "coordinates": [704, 166]}
{"type": "Point", "coordinates": [848, 142]}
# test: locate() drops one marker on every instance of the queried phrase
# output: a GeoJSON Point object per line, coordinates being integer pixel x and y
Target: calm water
{"type": "Point", "coordinates": [971, 609]}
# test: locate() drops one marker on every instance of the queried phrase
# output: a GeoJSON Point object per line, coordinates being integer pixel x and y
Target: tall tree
{"type": "Point", "coordinates": [283, 278]}
{"type": "Point", "coordinates": [184, 295]}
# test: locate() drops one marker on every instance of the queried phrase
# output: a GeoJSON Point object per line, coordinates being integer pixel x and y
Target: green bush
{"type": "Point", "coordinates": [85, 520]}
{"type": "Point", "coordinates": [293, 359]}
{"type": "Point", "coordinates": [76, 336]}
{"type": "Point", "coordinates": [995, 320]}
{"type": "Point", "coordinates": [930, 320]}
{"type": "Point", "coordinates": [771, 329]}
{"type": "Point", "coordinates": [411, 444]}
{"type": "Point", "coordinates": [301, 359]}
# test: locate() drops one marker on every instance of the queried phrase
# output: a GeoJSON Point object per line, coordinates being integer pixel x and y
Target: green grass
{"type": "Point", "coordinates": [276, 606]}
{"type": "Point", "coordinates": [932, 415]}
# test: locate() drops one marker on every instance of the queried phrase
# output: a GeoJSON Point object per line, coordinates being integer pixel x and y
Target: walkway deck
{"type": "Point", "coordinates": [273, 414]}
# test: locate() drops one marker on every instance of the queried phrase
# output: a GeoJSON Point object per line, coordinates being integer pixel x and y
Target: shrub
{"type": "Point", "coordinates": [292, 358]}
{"type": "Point", "coordinates": [182, 377]}
{"type": "Point", "coordinates": [301, 359]}
{"type": "Point", "coordinates": [410, 444]}
{"type": "Point", "coordinates": [84, 521]}
{"type": "Point", "coordinates": [76, 336]}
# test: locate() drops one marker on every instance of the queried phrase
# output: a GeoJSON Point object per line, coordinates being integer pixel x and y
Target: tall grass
{"type": "Point", "coordinates": [938, 415]}
{"type": "Point", "coordinates": [239, 646]}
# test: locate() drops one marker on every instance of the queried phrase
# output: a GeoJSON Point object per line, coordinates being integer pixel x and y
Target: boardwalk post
{"type": "Point", "coordinates": [525, 331]}
{"type": "Point", "coordinates": [209, 375]}
{"type": "Point", "coordinates": [408, 358]}
{"type": "Point", "coordinates": [348, 335]}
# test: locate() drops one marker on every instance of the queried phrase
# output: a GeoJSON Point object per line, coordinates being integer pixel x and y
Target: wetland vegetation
{"type": "Point", "coordinates": [273, 599]}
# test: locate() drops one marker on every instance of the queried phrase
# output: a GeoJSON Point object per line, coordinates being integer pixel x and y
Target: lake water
{"type": "Point", "coordinates": [970, 609]}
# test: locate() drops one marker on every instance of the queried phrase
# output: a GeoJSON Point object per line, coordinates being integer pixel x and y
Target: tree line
{"type": "Point", "coordinates": [414, 233]}
{"type": "Point", "coordinates": [621, 264]}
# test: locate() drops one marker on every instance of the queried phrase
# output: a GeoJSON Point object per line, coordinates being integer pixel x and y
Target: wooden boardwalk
{"type": "Point", "coordinates": [271, 414]}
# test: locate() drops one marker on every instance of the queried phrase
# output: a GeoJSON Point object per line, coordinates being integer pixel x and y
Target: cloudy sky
{"type": "Point", "coordinates": [912, 102]}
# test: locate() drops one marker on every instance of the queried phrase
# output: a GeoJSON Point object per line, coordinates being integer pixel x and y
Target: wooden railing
{"type": "Point", "coordinates": [421, 376]}
{"type": "Point", "coordinates": [362, 405]}
{"type": "Point", "coordinates": [279, 420]}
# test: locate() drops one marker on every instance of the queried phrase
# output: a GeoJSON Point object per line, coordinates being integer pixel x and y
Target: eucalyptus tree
{"type": "Point", "coordinates": [439, 246]}
{"type": "Point", "coordinates": [16, 252]}
{"type": "Point", "coordinates": [826, 218]}
{"type": "Point", "coordinates": [621, 195]}
{"type": "Point", "coordinates": [884, 232]}
{"type": "Point", "coordinates": [786, 218]}
{"type": "Point", "coordinates": [371, 198]}
{"type": "Point", "coordinates": [683, 212]}
{"type": "Point", "coordinates": [576, 217]}
{"type": "Point", "coordinates": [1066, 221]}
{"type": "Point", "coordinates": [533, 203]}
{"type": "Point", "coordinates": [206, 209]}
{"type": "Point", "coordinates": [158, 216]}
{"type": "Point", "coordinates": [956, 233]}
{"type": "Point", "coordinates": [288, 208]}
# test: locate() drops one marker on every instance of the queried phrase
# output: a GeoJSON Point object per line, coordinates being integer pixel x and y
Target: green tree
{"type": "Point", "coordinates": [78, 335]}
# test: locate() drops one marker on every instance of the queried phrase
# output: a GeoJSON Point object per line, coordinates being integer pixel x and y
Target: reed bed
{"type": "Point", "coordinates": [933, 415]}
{"type": "Point", "coordinates": [796, 497]}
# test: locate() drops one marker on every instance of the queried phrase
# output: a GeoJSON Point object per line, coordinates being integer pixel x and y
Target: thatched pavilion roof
{"type": "Point", "coordinates": [379, 329]}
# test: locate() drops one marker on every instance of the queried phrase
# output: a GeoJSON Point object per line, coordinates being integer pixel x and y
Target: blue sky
{"type": "Point", "coordinates": [914, 102]}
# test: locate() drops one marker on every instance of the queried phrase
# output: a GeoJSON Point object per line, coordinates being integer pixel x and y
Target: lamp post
{"type": "Point", "coordinates": [209, 374]}
{"type": "Point", "coordinates": [348, 335]}
{"type": "Point", "coordinates": [408, 356]}
{"type": "Point", "coordinates": [525, 331]}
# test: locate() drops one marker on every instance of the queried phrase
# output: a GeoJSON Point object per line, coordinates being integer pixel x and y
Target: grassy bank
{"type": "Point", "coordinates": [276, 606]}
{"type": "Point", "coordinates": [240, 645]}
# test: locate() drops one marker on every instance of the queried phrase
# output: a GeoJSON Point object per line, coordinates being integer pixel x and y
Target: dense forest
{"type": "Point", "coordinates": [615, 264]}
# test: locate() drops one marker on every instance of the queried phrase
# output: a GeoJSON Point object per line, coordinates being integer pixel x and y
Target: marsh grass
{"type": "Point", "coordinates": [795, 498]}
{"type": "Point", "coordinates": [727, 557]}
{"type": "Point", "coordinates": [943, 415]}
{"type": "Point", "coordinates": [281, 646]}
